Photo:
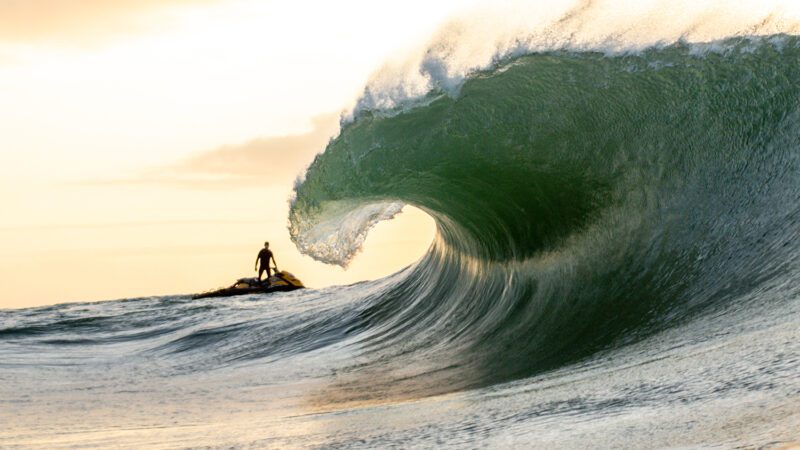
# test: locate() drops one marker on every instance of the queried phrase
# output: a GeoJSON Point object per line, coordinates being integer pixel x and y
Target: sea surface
{"type": "Point", "coordinates": [617, 265]}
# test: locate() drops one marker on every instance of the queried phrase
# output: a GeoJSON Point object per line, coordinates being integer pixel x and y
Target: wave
{"type": "Point", "coordinates": [582, 200]}
{"type": "Point", "coordinates": [585, 202]}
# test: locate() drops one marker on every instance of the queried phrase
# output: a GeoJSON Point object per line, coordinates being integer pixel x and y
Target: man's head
{"type": "Point", "coordinates": [266, 244]}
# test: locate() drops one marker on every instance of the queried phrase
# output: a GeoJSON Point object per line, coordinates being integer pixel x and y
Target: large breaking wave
{"type": "Point", "coordinates": [583, 200]}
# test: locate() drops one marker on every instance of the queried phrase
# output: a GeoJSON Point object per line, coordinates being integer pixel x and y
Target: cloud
{"type": "Point", "coordinates": [260, 162]}
{"type": "Point", "coordinates": [78, 21]}
{"type": "Point", "coordinates": [279, 157]}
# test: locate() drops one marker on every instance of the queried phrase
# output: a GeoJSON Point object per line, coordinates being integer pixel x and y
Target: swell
{"type": "Point", "coordinates": [174, 335]}
{"type": "Point", "coordinates": [582, 202]}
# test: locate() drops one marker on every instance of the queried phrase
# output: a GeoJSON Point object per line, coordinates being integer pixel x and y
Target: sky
{"type": "Point", "coordinates": [149, 147]}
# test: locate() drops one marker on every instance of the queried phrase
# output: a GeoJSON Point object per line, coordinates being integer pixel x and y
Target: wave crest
{"type": "Point", "coordinates": [485, 37]}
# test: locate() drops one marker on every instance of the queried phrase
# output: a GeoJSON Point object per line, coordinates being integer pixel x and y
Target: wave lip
{"type": "Point", "coordinates": [335, 236]}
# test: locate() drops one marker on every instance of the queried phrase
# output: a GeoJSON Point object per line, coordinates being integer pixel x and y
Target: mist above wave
{"type": "Point", "coordinates": [484, 36]}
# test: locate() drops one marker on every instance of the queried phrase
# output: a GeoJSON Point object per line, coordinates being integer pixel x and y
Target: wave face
{"type": "Point", "coordinates": [583, 202]}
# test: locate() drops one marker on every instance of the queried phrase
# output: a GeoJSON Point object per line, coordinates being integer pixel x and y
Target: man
{"type": "Point", "coordinates": [262, 261]}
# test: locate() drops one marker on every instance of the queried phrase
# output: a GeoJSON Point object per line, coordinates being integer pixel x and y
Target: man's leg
{"type": "Point", "coordinates": [261, 271]}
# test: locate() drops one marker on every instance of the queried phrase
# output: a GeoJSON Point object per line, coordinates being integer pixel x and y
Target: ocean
{"type": "Point", "coordinates": [616, 265]}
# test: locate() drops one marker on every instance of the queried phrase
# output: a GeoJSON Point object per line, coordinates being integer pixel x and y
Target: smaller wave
{"type": "Point", "coordinates": [59, 326]}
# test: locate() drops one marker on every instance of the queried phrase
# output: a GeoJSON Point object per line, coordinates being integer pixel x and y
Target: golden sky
{"type": "Point", "coordinates": [86, 21]}
{"type": "Point", "coordinates": [148, 147]}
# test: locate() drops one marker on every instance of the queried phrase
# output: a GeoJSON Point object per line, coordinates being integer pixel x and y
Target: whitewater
{"type": "Point", "coordinates": [616, 263]}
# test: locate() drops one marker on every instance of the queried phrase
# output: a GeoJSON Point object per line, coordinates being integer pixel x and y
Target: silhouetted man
{"type": "Point", "coordinates": [262, 261]}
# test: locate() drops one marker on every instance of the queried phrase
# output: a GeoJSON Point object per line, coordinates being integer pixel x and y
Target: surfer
{"type": "Point", "coordinates": [262, 261]}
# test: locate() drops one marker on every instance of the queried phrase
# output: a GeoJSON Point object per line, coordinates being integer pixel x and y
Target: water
{"type": "Point", "coordinates": [616, 266]}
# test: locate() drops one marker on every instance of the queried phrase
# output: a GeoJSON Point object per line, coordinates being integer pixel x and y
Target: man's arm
{"type": "Point", "coordinates": [257, 258]}
{"type": "Point", "coordinates": [273, 260]}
